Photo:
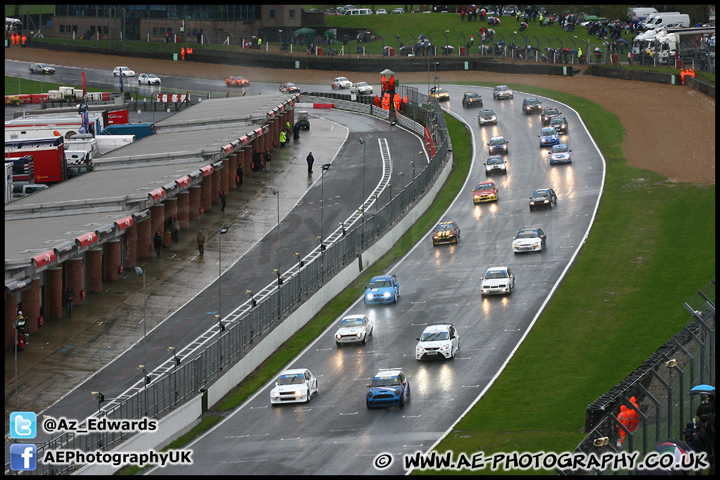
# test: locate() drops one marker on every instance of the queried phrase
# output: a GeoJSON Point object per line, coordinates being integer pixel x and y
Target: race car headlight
{"type": "Point", "coordinates": [444, 348]}
{"type": "Point", "coordinates": [387, 295]}
{"type": "Point", "coordinates": [369, 394]}
{"type": "Point", "coordinates": [359, 335]}
{"type": "Point", "coordinates": [532, 203]}
{"type": "Point", "coordinates": [298, 393]}
{"type": "Point", "coordinates": [419, 350]}
{"type": "Point", "coordinates": [369, 296]}
{"type": "Point", "coordinates": [338, 336]}
{"type": "Point", "coordinates": [546, 201]}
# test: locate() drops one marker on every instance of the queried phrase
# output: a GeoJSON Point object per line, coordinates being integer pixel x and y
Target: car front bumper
{"type": "Point", "coordinates": [485, 198]}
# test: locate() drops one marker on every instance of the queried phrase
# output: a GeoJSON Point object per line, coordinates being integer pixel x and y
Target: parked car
{"type": "Point", "coordinates": [381, 11]}
{"type": "Point", "coordinates": [341, 82]}
{"type": "Point", "coordinates": [440, 340]}
{"type": "Point", "coordinates": [361, 88]}
{"type": "Point", "coordinates": [41, 68]}
{"type": "Point", "coordinates": [294, 385]}
{"type": "Point", "coordinates": [398, 10]}
{"type": "Point", "coordinates": [472, 99]}
{"type": "Point", "coordinates": [289, 88]}
{"type": "Point", "coordinates": [23, 189]}
{"type": "Point", "coordinates": [531, 105]}
{"type": "Point", "coordinates": [354, 329]}
{"type": "Point", "coordinates": [543, 198]}
{"type": "Point", "coordinates": [446, 232]}
{"type": "Point", "coordinates": [502, 91]}
{"type": "Point", "coordinates": [529, 240]}
{"type": "Point", "coordinates": [382, 289]}
{"type": "Point", "coordinates": [237, 81]}
{"type": "Point", "coordinates": [487, 116]}
{"type": "Point", "coordinates": [124, 71]}
{"type": "Point", "coordinates": [303, 121]}
{"type": "Point", "coordinates": [149, 79]}
{"type": "Point", "coordinates": [389, 387]}
{"type": "Point", "coordinates": [497, 280]}
{"type": "Point", "coordinates": [495, 164]}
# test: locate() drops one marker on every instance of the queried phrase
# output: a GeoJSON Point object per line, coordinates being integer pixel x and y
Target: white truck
{"type": "Point", "coordinates": [667, 43]}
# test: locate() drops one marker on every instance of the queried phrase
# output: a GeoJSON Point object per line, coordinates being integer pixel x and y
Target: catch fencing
{"type": "Point", "coordinates": [661, 387]}
{"type": "Point", "coordinates": [174, 382]}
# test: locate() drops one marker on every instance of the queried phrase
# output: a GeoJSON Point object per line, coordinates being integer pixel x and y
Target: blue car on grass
{"type": "Point", "coordinates": [548, 137]}
{"type": "Point", "coordinates": [382, 289]}
{"type": "Point", "coordinates": [389, 387]}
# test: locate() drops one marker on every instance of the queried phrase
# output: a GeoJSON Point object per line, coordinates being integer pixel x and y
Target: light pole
{"type": "Point", "coordinates": [279, 279]}
{"type": "Point", "coordinates": [100, 398]}
{"type": "Point", "coordinates": [140, 271]}
{"type": "Point", "coordinates": [277, 194]}
{"type": "Point", "coordinates": [176, 360]}
{"type": "Point", "coordinates": [402, 180]}
{"type": "Point", "coordinates": [19, 328]}
{"type": "Point", "coordinates": [325, 167]}
{"type": "Point", "coordinates": [412, 164]}
{"type": "Point", "coordinates": [362, 208]}
{"type": "Point", "coordinates": [297, 255]}
{"type": "Point", "coordinates": [223, 230]}
{"type": "Point", "coordinates": [252, 297]}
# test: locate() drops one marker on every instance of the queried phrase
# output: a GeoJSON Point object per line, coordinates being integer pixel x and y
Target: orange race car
{"type": "Point", "coordinates": [237, 81]}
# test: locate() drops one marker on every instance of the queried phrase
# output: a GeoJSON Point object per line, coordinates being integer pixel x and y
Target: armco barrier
{"type": "Point", "coordinates": [632, 74]}
{"type": "Point", "coordinates": [701, 87]}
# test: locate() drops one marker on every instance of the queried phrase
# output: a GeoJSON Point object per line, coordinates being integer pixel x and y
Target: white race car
{"type": "Point", "coordinates": [497, 280]}
{"type": "Point", "coordinates": [361, 88]}
{"type": "Point", "coordinates": [295, 385]}
{"type": "Point", "coordinates": [341, 82]}
{"type": "Point", "coordinates": [353, 329]}
{"type": "Point", "coordinates": [529, 240]}
{"type": "Point", "coordinates": [149, 79]}
{"type": "Point", "coordinates": [124, 71]}
{"type": "Point", "coordinates": [438, 341]}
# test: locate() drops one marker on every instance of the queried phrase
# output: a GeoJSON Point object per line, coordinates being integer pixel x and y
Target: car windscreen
{"type": "Point", "coordinates": [497, 274]}
{"type": "Point", "coordinates": [291, 379]}
{"type": "Point", "coordinates": [540, 195]}
{"type": "Point", "coordinates": [487, 113]}
{"type": "Point", "coordinates": [386, 382]}
{"type": "Point", "coordinates": [497, 141]}
{"type": "Point", "coordinates": [351, 322]}
{"type": "Point", "coordinates": [483, 186]}
{"type": "Point", "coordinates": [560, 149]}
{"type": "Point", "coordinates": [495, 161]}
{"type": "Point", "coordinates": [434, 336]}
{"type": "Point", "coordinates": [379, 284]}
{"type": "Point", "coordinates": [528, 234]}
{"type": "Point", "coordinates": [548, 131]}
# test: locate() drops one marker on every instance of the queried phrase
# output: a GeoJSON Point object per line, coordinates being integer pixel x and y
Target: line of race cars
{"type": "Point", "coordinates": [390, 386]}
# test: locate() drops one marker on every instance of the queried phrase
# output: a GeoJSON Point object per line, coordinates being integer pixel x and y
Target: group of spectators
{"type": "Point", "coordinates": [699, 435]}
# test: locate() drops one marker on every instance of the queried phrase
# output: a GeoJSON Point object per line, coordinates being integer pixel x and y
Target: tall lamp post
{"type": "Point", "coordinates": [223, 230]}
{"type": "Point", "coordinates": [325, 167]}
{"type": "Point", "coordinates": [277, 194]}
{"type": "Point", "coordinates": [402, 180]}
{"type": "Point", "coordinates": [140, 271]}
{"type": "Point", "coordinates": [362, 208]}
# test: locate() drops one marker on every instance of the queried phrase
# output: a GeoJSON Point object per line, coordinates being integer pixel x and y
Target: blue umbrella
{"type": "Point", "coordinates": [698, 389]}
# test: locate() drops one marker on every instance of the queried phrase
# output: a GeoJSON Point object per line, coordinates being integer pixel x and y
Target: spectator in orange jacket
{"type": "Point", "coordinates": [376, 101]}
{"type": "Point", "coordinates": [396, 101]}
{"type": "Point", "coordinates": [386, 101]}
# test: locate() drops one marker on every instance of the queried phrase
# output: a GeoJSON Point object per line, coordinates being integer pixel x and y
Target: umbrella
{"type": "Point", "coordinates": [677, 448]}
{"type": "Point", "coordinates": [698, 389]}
{"type": "Point", "coordinates": [592, 18]}
{"type": "Point", "coordinates": [387, 71]}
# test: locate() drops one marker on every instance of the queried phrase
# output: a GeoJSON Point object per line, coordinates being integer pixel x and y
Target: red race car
{"type": "Point", "coordinates": [289, 88]}
{"type": "Point", "coordinates": [237, 81]}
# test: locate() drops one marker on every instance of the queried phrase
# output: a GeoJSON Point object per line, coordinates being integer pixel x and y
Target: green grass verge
{"type": "Point", "coordinates": [17, 86]}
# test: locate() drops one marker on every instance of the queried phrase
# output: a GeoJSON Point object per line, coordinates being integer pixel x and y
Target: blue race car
{"type": "Point", "coordinates": [389, 387]}
{"type": "Point", "coordinates": [382, 289]}
{"type": "Point", "coordinates": [560, 154]}
{"type": "Point", "coordinates": [549, 136]}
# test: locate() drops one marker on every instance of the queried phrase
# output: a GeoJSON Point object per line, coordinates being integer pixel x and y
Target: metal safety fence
{"type": "Point", "coordinates": [174, 383]}
{"type": "Point", "coordinates": [661, 387]}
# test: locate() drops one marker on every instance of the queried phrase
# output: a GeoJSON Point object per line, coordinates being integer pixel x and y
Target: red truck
{"type": "Point", "coordinates": [48, 159]}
